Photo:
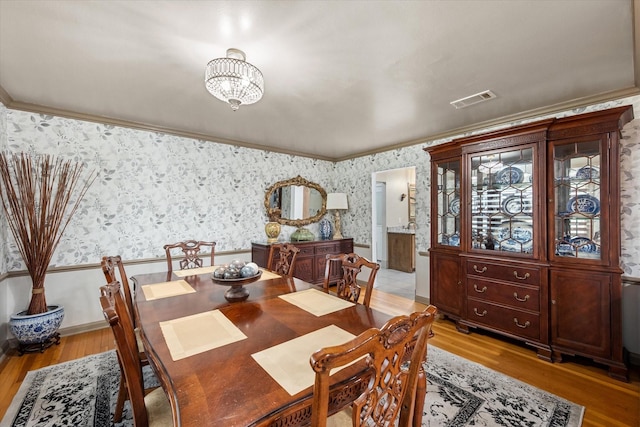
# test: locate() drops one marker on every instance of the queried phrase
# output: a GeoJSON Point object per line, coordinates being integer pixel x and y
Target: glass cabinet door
{"type": "Point", "coordinates": [577, 193]}
{"type": "Point", "coordinates": [502, 193]}
{"type": "Point", "coordinates": [448, 203]}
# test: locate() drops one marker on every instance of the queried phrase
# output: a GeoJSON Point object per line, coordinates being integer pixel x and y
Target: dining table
{"type": "Point", "coordinates": [245, 362]}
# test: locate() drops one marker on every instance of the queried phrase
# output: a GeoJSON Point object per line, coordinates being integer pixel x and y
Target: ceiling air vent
{"type": "Point", "coordinates": [473, 99]}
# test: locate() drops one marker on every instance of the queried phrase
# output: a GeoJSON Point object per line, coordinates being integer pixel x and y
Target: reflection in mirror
{"type": "Point", "coordinates": [295, 202]}
{"type": "Point", "coordinates": [412, 203]}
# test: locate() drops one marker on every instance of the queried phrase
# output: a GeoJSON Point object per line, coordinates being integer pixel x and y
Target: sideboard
{"type": "Point", "coordinates": [312, 258]}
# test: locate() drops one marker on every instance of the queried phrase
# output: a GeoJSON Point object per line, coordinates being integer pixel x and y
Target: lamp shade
{"type": "Point", "coordinates": [337, 201]}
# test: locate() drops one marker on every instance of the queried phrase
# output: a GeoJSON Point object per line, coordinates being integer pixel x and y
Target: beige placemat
{"type": "Point", "coordinates": [316, 302]}
{"type": "Point", "coordinates": [195, 334]}
{"type": "Point", "coordinates": [288, 363]}
{"type": "Point", "coordinates": [267, 275]}
{"type": "Point", "coordinates": [166, 289]}
{"type": "Point", "coordinates": [194, 271]}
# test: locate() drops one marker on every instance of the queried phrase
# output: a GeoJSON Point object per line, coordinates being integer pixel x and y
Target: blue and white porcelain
{"type": "Point", "coordinates": [588, 172]}
{"type": "Point", "coordinates": [326, 229]}
{"type": "Point", "coordinates": [565, 249]}
{"type": "Point", "coordinates": [454, 206]}
{"type": "Point", "coordinates": [36, 328]}
{"type": "Point", "coordinates": [584, 204]}
{"type": "Point", "coordinates": [509, 175]}
{"type": "Point", "coordinates": [454, 240]}
{"type": "Point", "coordinates": [514, 205]}
{"type": "Point", "coordinates": [515, 237]}
{"type": "Point", "coordinates": [584, 244]}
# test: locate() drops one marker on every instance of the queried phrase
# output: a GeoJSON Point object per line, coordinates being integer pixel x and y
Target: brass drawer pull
{"type": "Point", "coordinates": [475, 267]}
{"type": "Point", "coordinates": [526, 275]}
{"type": "Point", "coordinates": [526, 324]}
{"type": "Point", "coordinates": [484, 288]}
{"type": "Point", "coordinates": [526, 297]}
{"type": "Point", "coordinates": [484, 312]}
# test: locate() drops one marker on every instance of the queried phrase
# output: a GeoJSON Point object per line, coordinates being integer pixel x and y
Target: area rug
{"type": "Point", "coordinates": [464, 393]}
{"type": "Point", "coordinates": [460, 393]}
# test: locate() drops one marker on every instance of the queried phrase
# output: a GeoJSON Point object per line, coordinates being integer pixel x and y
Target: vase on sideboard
{"type": "Point", "coordinates": [272, 229]}
{"type": "Point", "coordinates": [326, 230]}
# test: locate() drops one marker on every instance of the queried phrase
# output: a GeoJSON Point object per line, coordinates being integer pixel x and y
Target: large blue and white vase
{"type": "Point", "coordinates": [326, 229]}
{"type": "Point", "coordinates": [37, 330]}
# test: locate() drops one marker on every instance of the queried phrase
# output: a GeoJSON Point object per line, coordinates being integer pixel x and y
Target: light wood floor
{"type": "Point", "coordinates": [608, 402]}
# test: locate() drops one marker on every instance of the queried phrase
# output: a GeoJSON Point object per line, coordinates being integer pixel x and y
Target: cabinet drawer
{"type": "Point", "coordinates": [504, 293]}
{"type": "Point", "coordinates": [505, 319]}
{"type": "Point", "coordinates": [327, 249]}
{"type": "Point", "coordinates": [305, 251]}
{"type": "Point", "coordinates": [511, 273]}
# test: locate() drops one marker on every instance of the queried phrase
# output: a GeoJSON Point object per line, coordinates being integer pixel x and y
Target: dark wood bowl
{"type": "Point", "coordinates": [237, 282]}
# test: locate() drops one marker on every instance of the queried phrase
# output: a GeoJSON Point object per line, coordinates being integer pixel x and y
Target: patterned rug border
{"type": "Point", "coordinates": [565, 413]}
{"type": "Point", "coordinates": [454, 399]}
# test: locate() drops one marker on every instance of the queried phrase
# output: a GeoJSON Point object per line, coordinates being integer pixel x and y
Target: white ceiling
{"type": "Point", "coordinates": [341, 78]}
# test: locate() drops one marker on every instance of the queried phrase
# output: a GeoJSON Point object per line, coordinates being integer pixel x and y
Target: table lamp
{"type": "Point", "coordinates": [335, 202]}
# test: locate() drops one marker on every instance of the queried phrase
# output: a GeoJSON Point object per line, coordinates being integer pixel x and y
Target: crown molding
{"type": "Point", "coordinates": [529, 115]}
{"type": "Point", "coordinates": [6, 99]}
{"type": "Point", "coordinates": [533, 114]}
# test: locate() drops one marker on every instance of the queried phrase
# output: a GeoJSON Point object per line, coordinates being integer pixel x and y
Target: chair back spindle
{"type": "Point", "coordinates": [391, 393]}
{"type": "Point", "coordinates": [282, 258]}
{"type": "Point", "coordinates": [347, 286]}
{"type": "Point", "coordinates": [191, 251]}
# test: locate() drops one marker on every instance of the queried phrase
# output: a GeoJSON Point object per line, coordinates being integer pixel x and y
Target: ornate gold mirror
{"type": "Point", "coordinates": [295, 202]}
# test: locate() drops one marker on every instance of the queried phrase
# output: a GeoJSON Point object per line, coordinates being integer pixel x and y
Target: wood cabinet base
{"type": "Point", "coordinates": [311, 260]}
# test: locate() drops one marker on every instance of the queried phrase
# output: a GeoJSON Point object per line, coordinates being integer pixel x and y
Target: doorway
{"type": "Point", "coordinates": [391, 212]}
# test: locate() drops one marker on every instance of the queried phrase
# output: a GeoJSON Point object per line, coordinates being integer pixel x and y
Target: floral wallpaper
{"type": "Point", "coordinates": [630, 194]}
{"type": "Point", "coordinates": [155, 188]}
{"type": "Point", "coordinates": [4, 230]}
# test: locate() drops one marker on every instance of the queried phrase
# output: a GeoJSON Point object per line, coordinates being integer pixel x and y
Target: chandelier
{"type": "Point", "coordinates": [233, 80]}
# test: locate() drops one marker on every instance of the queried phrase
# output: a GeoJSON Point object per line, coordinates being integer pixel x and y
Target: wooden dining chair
{"type": "Point", "coordinates": [282, 258]}
{"type": "Point", "coordinates": [152, 410]}
{"type": "Point", "coordinates": [347, 286]}
{"type": "Point", "coordinates": [114, 270]}
{"type": "Point", "coordinates": [393, 392]}
{"type": "Point", "coordinates": [191, 252]}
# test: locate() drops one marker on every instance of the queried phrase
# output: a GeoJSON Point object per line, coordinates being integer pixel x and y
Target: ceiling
{"type": "Point", "coordinates": [342, 79]}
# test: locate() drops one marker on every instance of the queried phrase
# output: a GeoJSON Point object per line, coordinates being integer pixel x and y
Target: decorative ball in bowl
{"type": "Point", "coordinates": [236, 274]}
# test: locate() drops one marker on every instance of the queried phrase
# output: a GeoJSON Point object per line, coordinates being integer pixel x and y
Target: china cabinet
{"type": "Point", "coordinates": [526, 235]}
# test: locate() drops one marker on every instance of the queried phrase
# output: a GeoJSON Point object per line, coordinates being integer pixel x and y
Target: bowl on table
{"type": "Point", "coordinates": [236, 274]}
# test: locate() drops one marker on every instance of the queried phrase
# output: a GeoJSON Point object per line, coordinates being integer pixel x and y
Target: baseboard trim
{"type": "Point", "coordinates": [4, 347]}
{"type": "Point", "coordinates": [634, 359]}
{"type": "Point", "coordinates": [64, 332]}
{"type": "Point", "coordinates": [87, 327]}
{"type": "Point", "coordinates": [423, 300]}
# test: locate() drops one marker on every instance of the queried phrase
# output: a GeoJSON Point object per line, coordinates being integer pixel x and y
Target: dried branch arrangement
{"type": "Point", "coordinates": [39, 198]}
